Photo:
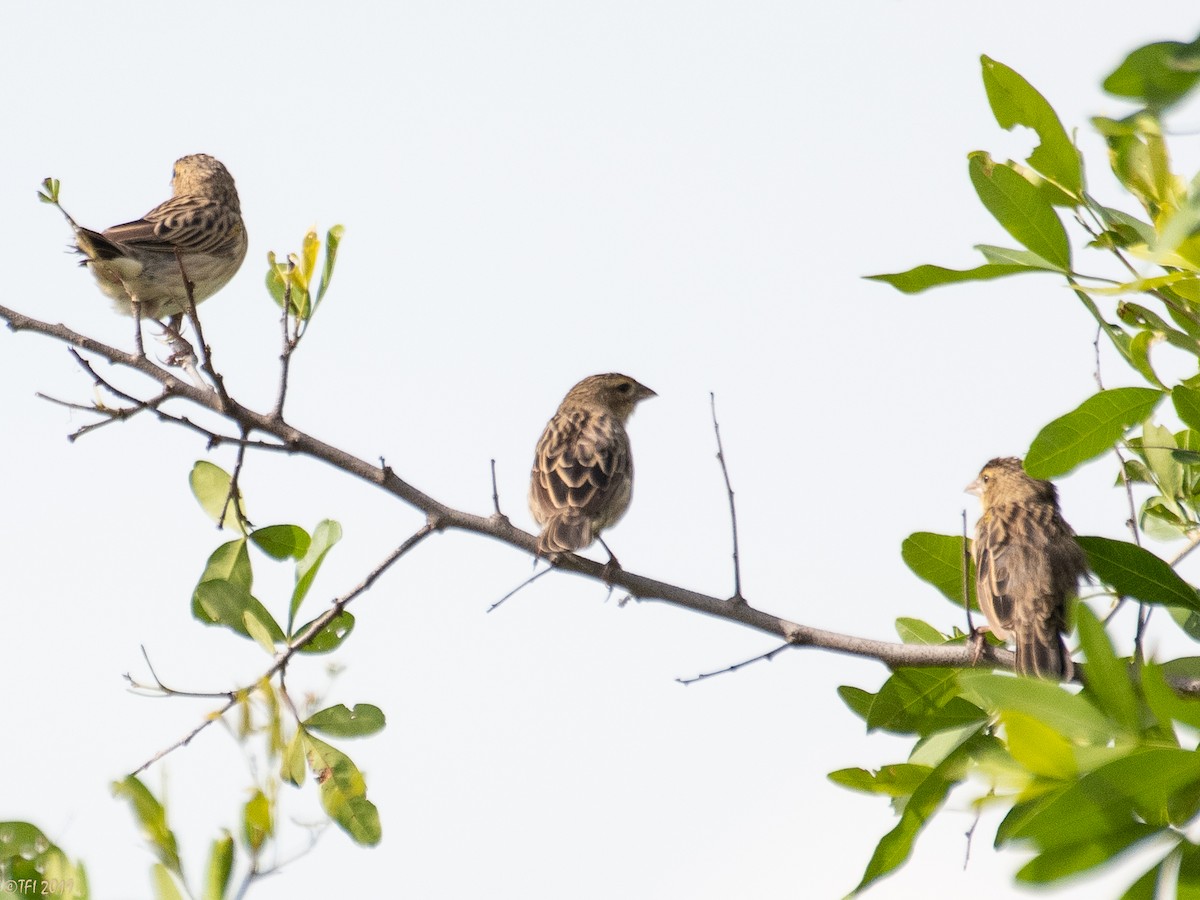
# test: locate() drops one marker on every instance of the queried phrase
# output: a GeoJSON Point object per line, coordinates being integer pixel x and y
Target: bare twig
{"type": "Point", "coordinates": [520, 587]}
{"type": "Point", "coordinates": [495, 491]}
{"type": "Point", "coordinates": [966, 566]}
{"type": "Point", "coordinates": [768, 656]}
{"type": "Point", "coordinates": [206, 363]}
{"type": "Point", "coordinates": [234, 492]}
{"type": "Point", "coordinates": [737, 566]}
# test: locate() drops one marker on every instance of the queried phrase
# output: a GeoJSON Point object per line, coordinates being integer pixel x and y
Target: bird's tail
{"type": "Point", "coordinates": [1042, 653]}
{"type": "Point", "coordinates": [565, 532]}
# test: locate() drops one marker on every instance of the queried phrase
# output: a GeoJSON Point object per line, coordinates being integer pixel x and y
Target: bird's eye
{"type": "Point", "coordinates": [625, 387]}
{"type": "Point", "coordinates": [986, 478]}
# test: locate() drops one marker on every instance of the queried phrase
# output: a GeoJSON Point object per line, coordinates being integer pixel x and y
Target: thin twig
{"type": "Point", "coordinates": [737, 567]}
{"type": "Point", "coordinates": [158, 689]}
{"type": "Point", "coordinates": [520, 587]}
{"type": "Point", "coordinates": [768, 656]}
{"type": "Point", "coordinates": [289, 346]}
{"type": "Point", "coordinates": [495, 491]}
{"type": "Point", "coordinates": [233, 495]}
{"type": "Point", "coordinates": [966, 566]}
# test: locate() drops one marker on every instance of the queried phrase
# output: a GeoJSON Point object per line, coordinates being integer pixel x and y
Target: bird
{"type": "Point", "coordinates": [1027, 565]}
{"type": "Point", "coordinates": [137, 264]}
{"type": "Point", "coordinates": [582, 477]}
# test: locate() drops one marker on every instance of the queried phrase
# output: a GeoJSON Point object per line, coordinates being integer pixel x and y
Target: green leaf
{"type": "Point", "coordinates": [1014, 101]}
{"type": "Point", "coordinates": [211, 486]}
{"type": "Point", "coordinates": [896, 846]}
{"type": "Point", "coordinates": [914, 631]}
{"type": "Point", "coordinates": [921, 701]}
{"type": "Point", "coordinates": [325, 535]}
{"type": "Point", "coordinates": [939, 560]}
{"type": "Point", "coordinates": [1089, 430]}
{"type": "Point", "coordinates": [924, 277]}
{"type": "Point", "coordinates": [220, 868]}
{"type": "Point", "coordinates": [152, 819]}
{"type": "Point", "coordinates": [1005, 256]}
{"type": "Point", "coordinates": [226, 603]}
{"type": "Point", "coordinates": [338, 721]}
{"type": "Point", "coordinates": [291, 766]}
{"type": "Point", "coordinates": [1186, 400]}
{"type": "Point", "coordinates": [1038, 747]}
{"type": "Point", "coordinates": [1062, 862]}
{"type": "Point", "coordinates": [165, 886]}
{"type": "Point", "coordinates": [343, 792]}
{"type": "Point", "coordinates": [1021, 209]}
{"type": "Point", "coordinates": [1133, 571]}
{"type": "Point", "coordinates": [1107, 676]}
{"type": "Point", "coordinates": [282, 541]}
{"type": "Point", "coordinates": [894, 781]}
{"type": "Point", "coordinates": [858, 700]}
{"type": "Point", "coordinates": [330, 637]}
{"type": "Point", "coordinates": [1159, 74]}
{"type": "Point", "coordinates": [333, 240]}
{"type": "Point", "coordinates": [257, 824]}
{"type": "Point", "coordinates": [258, 632]}
{"type": "Point", "coordinates": [230, 562]}
{"type": "Point", "coordinates": [1069, 714]}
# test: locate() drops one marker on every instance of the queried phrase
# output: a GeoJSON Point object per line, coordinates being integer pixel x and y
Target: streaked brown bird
{"type": "Point", "coordinates": [136, 264]}
{"type": "Point", "coordinates": [1027, 564]}
{"type": "Point", "coordinates": [582, 476]}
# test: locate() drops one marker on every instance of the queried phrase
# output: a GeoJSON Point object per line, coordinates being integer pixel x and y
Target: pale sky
{"type": "Point", "coordinates": [534, 192]}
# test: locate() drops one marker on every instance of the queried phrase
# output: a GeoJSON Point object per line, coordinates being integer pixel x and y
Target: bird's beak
{"type": "Point", "coordinates": [644, 393]}
{"type": "Point", "coordinates": [975, 487]}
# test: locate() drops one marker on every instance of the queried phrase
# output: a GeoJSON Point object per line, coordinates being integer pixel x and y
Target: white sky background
{"type": "Point", "coordinates": [688, 193]}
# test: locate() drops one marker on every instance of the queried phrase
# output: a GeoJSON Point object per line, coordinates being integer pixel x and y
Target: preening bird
{"type": "Point", "coordinates": [1027, 565]}
{"type": "Point", "coordinates": [137, 264]}
{"type": "Point", "coordinates": [582, 476]}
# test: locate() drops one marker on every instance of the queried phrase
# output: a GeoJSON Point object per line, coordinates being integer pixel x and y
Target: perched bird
{"type": "Point", "coordinates": [136, 263]}
{"type": "Point", "coordinates": [582, 475]}
{"type": "Point", "coordinates": [1027, 563]}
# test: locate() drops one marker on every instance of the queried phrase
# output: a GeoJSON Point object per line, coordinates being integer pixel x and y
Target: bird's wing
{"type": "Point", "coordinates": [190, 224]}
{"type": "Point", "coordinates": [992, 576]}
{"type": "Point", "coordinates": [581, 461]}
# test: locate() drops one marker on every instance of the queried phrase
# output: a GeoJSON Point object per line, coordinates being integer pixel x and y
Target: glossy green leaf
{"type": "Point", "coordinates": [1021, 209]}
{"type": "Point", "coordinates": [939, 560]}
{"type": "Point", "coordinates": [1089, 430]}
{"type": "Point", "coordinates": [220, 868]}
{"type": "Point", "coordinates": [1107, 676]}
{"type": "Point", "coordinates": [339, 721]}
{"type": "Point", "coordinates": [343, 792]}
{"type": "Point", "coordinates": [324, 536]}
{"type": "Point", "coordinates": [281, 541]}
{"type": "Point", "coordinates": [922, 278]}
{"type": "Point", "coordinates": [331, 636]}
{"type": "Point", "coordinates": [893, 781]}
{"type": "Point", "coordinates": [1159, 74]}
{"type": "Point", "coordinates": [1014, 101]}
{"type": "Point", "coordinates": [225, 603]}
{"type": "Point", "coordinates": [1133, 571]}
{"type": "Point", "coordinates": [152, 819]}
{"type": "Point", "coordinates": [1069, 714]}
{"type": "Point", "coordinates": [211, 487]}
